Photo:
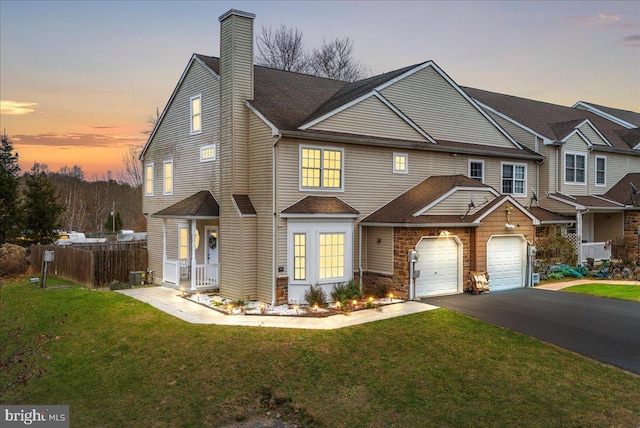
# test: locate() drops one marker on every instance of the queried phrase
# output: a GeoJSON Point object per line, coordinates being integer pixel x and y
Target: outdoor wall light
{"type": "Point", "coordinates": [444, 233]}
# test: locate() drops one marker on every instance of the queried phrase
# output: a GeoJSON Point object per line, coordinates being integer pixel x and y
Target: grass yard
{"type": "Point", "coordinates": [122, 363]}
{"type": "Point", "coordinates": [614, 291]}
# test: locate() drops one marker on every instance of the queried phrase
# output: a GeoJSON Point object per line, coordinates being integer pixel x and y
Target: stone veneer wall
{"type": "Point", "coordinates": [282, 290]}
{"type": "Point", "coordinates": [631, 224]}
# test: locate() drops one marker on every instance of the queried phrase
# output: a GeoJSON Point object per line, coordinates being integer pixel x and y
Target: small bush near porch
{"type": "Point", "coordinates": [122, 363]}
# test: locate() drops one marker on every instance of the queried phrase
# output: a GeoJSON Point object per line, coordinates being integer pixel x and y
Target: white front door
{"type": "Point", "coordinates": [212, 245]}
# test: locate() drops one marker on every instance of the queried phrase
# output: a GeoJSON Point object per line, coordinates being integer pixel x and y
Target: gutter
{"type": "Point", "coordinates": [274, 260]}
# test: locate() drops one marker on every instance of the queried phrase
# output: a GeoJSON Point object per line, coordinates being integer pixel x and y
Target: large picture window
{"type": "Point", "coordinates": [514, 179]}
{"type": "Point", "coordinates": [321, 168]}
{"type": "Point", "coordinates": [331, 252]}
{"type": "Point", "coordinates": [575, 168]}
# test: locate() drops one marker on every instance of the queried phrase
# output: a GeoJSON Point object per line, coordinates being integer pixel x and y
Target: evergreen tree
{"type": "Point", "coordinates": [9, 170]}
{"type": "Point", "coordinates": [41, 206]}
{"type": "Point", "coordinates": [108, 226]}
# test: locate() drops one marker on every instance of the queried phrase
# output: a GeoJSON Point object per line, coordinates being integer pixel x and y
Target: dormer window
{"type": "Point", "coordinates": [196, 114]}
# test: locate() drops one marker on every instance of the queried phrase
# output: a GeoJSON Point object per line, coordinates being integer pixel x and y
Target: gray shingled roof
{"type": "Point", "coordinates": [200, 205]}
{"type": "Point", "coordinates": [626, 115]}
{"type": "Point", "coordinates": [621, 192]}
{"type": "Point", "coordinates": [548, 217]}
{"type": "Point", "coordinates": [321, 205]}
{"type": "Point", "coordinates": [551, 120]}
{"type": "Point", "coordinates": [244, 204]}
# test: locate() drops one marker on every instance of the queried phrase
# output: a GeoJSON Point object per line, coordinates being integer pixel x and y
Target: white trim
{"type": "Point", "coordinates": [593, 127]}
{"type": "Point", "coordinates": [146, 176]}
{"type": "Point", "coordinates": [607, 116]}
{"type": "Point", "coordinates": [164, 177]}
{"type": "Point", "coordinates": [514, 122]}
{"type": "Point", "coordinates": [564, 169]}
{"type": "Point", "coordinates": [213, 146]}
{"type": "Point", "coordinates": [452, 191]}
{"type": "Point", "coordinates": [191, 114]}
{"type": "Point", "coordinates": [406, 163]}
{"type": "Point", "coordinates": [516, 204]}
{"type": "Point", "coordinates": [274, 130]}
{"type": "Point", "coordinates": [480, 161]}
{"type": "Point", "coordinates": [302, 188]}
{"type": "Point", "coordinates": [579, 133]}
{"type": "Point", "coordinates": [608, 200]}
{"type": "Point", "coordinates": [335, 111]}
{"type": "Point", "coordinates": [320, 215]}
{"type": "Point", "coordinates": [595, 171]}
{"type": "Point", "coordinates": [514, 164]}
{"type": "Point", "coordinates": [404, 117]}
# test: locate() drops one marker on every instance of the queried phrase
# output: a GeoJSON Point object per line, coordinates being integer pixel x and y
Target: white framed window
{"type": "Point", "coordinates": [400, 163]}
{"type": "Point", "coordinates": [167, 178]}
{"type": "Point", "coordinates": [476, 170]}
{"type": "Point", "coordinates": [320, 252]}
{"type": "Point", "coordinates": [183, 243]}
{"type": "Point", "coordinates": [148, 179]}
{"type": "Point", "coordinates": [514, 179]}
{"type": "Point", "coordinates": [196, 114]}
{"type": "Point", "coordinates": [601, 171]}
{"type": "Point", "coordinates": [321, 168]}
{"type": "Point", "coordinates": [208, 153]}
{"type": "Point", "coordinates": [575, 168]}
{"type": "Point", "coordinates": [299, 256]}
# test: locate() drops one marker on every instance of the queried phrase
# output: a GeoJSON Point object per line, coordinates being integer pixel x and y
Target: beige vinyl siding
{"type": "Point", "coordinates": [592, 135]}
{"type": "Point", "coordinates": [364, 166]}
{"type": "Point", "coordinates": [458, 202]}
{"type": "Point", "coordinates": [370, 117]}
{"type": "Point", "coordinates": [617, 166]}
{"type": "Point", "coordinates": [172, 141]}
{"type": "Point", "coordinates": [378, 249]}
{"type": "Point", "coordinates": [519, 134]}
{"type": "Point", "coordinates": [575, 145]}
{"type": "Point", "coordinates": [547, 170]}
{"type": "Point", "coordinates": [261, 194]}
{"type": "Point", "coordinates": [609, 226]}
{"type": "Point", "coordinates": [438, 108]}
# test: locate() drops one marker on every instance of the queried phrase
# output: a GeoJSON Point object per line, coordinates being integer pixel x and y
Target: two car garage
{"type": "Point", "coordinates": [439, 260]}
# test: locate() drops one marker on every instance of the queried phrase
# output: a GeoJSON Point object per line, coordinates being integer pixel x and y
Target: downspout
{"type": "Point", "coordinates": [274, 256]}
{"type": "Point", "coordinates": [360, 252]}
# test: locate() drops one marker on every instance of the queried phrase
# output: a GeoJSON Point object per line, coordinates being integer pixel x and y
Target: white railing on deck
{"type": "Point", "coordinates": [171, 271]}
{"type": "Point", "coordinates": [595, 250]}
{"type": "Point", "coordinates": [206, 276]}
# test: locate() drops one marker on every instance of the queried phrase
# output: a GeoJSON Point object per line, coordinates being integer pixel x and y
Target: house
{"type": "Point", "coordinates": [262, 182]}
{"type": "Point", "coordinates": [592, 160]}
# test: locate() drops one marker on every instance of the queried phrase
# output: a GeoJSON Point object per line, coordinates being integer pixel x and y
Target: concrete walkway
{"type": "Point", "coordinates": [560, 285]}
{"type": "Point", "coordinates": [168, 300]}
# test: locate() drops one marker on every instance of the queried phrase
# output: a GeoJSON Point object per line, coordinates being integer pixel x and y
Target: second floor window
{"type": "Point", "coordinates": [574, 168]}
{"type": "Point", "coordinates": [208, 153]}
{"type": "Point", "coordinates": [400, 163]}
{"type": "Point", "coordinates": [513, 179]}
{"type": "Point", "coordinates": [476, 170]}
{"type": "Point", "coordinates": [196, 114]}
{"type": "Point", "coordinates": [601, 171]}
{"type": "Point", "coordinates": [148, 179]}
{"type": "Point", "coordinates": [320, 168]}
{"type": "Point", "coordinates": [168, 178]}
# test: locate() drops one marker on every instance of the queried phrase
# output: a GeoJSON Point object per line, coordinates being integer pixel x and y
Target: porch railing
{"type": "Point", "coordinates": [206, 275]}
{"type": "Point", "coordinates": [595, 250]}
{"type": "Point", "coordinates": [171, 271]}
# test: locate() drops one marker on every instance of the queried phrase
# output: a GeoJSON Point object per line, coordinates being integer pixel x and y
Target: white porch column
{"type": "Point", "coordinates": [192, 224]}
{"type": "Point", "coordinates": [579, 235]}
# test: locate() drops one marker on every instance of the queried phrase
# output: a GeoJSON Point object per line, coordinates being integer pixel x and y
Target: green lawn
{"type": "Point", "coordinates": [122, 363]}
{"type": "Point", "coordinates": [614, 291]}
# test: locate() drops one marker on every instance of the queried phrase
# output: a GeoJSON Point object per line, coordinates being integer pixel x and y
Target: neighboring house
{"type": "Point", "coordinates": [262, 182]}
{"type": "Point", "coordinates": [588, 150]}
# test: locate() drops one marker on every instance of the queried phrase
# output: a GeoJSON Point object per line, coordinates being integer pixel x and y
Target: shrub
{"type": "Point", "coordinates": [376, 289]}
{"type": "Point", "coordinates": [315, 295]}
{"type": "Point", "coordinates": [344, 293]}
{"type": "Point", "coordinates": [556, 249]}
{"type": "Point", "coordinates": [13, 260]}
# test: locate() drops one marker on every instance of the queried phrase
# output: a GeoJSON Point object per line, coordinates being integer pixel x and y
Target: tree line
{"type": "Point", "coordinates": [35, 204]}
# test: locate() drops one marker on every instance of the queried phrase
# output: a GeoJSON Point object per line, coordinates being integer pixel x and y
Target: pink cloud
{"type": "Point", "coordinates": [77, 140]}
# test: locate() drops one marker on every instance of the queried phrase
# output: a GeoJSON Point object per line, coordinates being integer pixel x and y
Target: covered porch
{"type": "Point", "coordinates": [190, 230]}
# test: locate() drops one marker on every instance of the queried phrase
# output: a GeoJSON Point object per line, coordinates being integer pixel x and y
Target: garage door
{"type": "Point", "coordinates": [438, 266]}
{"type": "Point", "coordinates": [505, 262]}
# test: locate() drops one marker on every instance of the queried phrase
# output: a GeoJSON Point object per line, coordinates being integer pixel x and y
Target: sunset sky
{"type": "Point", "coordinates": [78, 79]}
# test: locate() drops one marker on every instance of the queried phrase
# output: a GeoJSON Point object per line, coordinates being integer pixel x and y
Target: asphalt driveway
{"type": "Point", "coordinates": [606, 330]}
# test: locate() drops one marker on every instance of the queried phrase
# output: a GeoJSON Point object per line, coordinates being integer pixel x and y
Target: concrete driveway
{"type": "Point", "coordinates": [606, 330]}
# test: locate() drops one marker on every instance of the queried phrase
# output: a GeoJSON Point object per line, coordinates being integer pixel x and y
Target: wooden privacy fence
{"type": "Point", "coordinates": [94, 265]}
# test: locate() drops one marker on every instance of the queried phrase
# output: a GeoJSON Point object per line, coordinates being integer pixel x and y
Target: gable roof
{"type": "Point", "coordinates": [553, 121]}
{"type": "Point", "coordinates": [626, 118]}
{"type": "Point", "coordinates": [201, 205]}
{"type": "Point", "coordinates": [621, 191]}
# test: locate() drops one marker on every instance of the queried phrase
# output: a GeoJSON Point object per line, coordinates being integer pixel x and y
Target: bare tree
{"type": "Point", "coordinates": [334, 60]}
{"type": "Point", "coordinates": [282, 48]}
{"type": "Point", "coordinates": [132, 173]}
{"type": "Point", "coordinates": [153, 120]}
{"type": "Point", "coordinates": [68, 182]}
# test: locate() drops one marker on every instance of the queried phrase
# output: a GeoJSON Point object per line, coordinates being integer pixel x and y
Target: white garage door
{"type": "Point", "coordinates": [438, 266]}
{"type": "Point", "coordinates": [505, 262]}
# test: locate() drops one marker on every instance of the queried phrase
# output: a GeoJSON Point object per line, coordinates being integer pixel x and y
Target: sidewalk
{"type": "Point", "coordinates": [168, 300]}
{"type": "Point", "coordinates": [560, 285]}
